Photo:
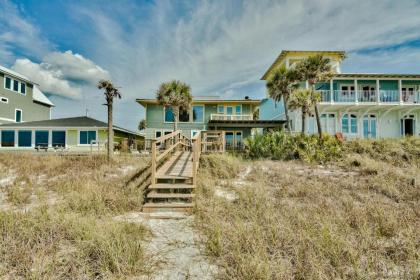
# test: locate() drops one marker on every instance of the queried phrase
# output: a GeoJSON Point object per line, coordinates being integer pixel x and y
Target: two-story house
{"type": "Point", "coordinates": [359, 105]}
{"type": "Point", "coordinates": [234, 116]}
{"type": "Point", "coordinates": [20, 99]}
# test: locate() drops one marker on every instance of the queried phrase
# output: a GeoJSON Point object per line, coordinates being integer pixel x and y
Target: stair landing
{"type": "Point", "coordinates": [173, 190]}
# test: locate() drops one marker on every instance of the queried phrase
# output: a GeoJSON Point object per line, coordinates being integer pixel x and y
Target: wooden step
{"type": "Point", "coordinates": [171, 186]}
{"type": "Point", "coordinates": [155, 194]}
{"type": "Point", "coordinates": [157, 207]}
{"type": "Point", "coordinates": [159, 176]}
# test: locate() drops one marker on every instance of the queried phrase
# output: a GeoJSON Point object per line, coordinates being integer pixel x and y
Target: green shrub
{"type": "Point", "coordinates": [281, 146]}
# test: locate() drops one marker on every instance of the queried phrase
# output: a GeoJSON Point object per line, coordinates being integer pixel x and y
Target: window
{"type": "Point", "coordinates": [4, 100]}
{"type": "Point", "coordinates": [158, 134]}
{"type": "Point", "coordinates": [349, 123]}
{"type": "Point", "coordinates": [18, 115]}
{"type": "Point", "coordinates": [169, 115]}
{"type": "Point", "coordinates": [220, 109]}
{"type": "Point", "coordinates": [8, 138]}
{"type": "Point", "coordinates": [8, 83]}
{"type": "Point", "coordinates": [238, 109]}
{"type": "Point", "coordinates": [58, 138]}
{"type": "Point", "coordinates": [86, 137]}
{"type": "Point", "coordinates": [184, 116]}
{"type": "Point", "coordinates": [24, 138]}
{"type": "Point", "coordinates": [23, 88]}
{"type": "Point", "coordinates": [198, 114]}
{"type": "Point", "coordinates": [41, 138]}
{"type": "Point", "coordinates": [15, 85]}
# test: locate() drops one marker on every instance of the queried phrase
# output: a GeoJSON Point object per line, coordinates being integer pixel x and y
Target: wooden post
{"type": "Point", "coordinates": [153, 176]}
{"type": "Point", "coordinates": [194, 151]}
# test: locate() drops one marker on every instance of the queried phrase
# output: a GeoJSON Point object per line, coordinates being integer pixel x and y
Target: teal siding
{"type": "Point", "coordinates": [155, 120]}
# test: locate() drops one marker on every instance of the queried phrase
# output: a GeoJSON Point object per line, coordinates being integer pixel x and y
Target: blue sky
{"type": "Point", "coordinates": [218, 47]}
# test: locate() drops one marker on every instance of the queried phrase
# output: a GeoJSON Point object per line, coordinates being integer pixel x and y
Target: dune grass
{"type": "Point", "coordinates": [58, 223]}
{"type": "Point", "coordinates": [355, 218]}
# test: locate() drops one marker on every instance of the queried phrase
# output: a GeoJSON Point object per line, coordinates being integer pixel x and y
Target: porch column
{"type": "Point", "coordinates": [378, 98]}
{"type": "Point", "coordinates": [400, 90]}
{"type": "Point", "coordinates": [16, 138]}
{"type": "Point", "coordinates": [331, 91]}
{"type": "Point", "coordinates": [33, 138]}
{"type": "Point", "coordinates": [50, 138]}
{"type": "Point", "coordinates": [356, 91]}
{"type": "Point", "coordinates": [307, 84]}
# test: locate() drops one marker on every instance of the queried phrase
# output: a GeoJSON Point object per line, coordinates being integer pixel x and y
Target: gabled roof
{"type": "Point", "coordinates": [15, 74]}
{"type": "Point", "coordinates": [68, 122]}
{"type": "Point", "coordinates": [284, 53]}
{"type": "Point", "coordinates": [40, 97]}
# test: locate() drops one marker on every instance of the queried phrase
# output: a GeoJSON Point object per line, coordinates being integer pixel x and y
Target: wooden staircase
{"type": "Point", "coordinates": [173, 183]}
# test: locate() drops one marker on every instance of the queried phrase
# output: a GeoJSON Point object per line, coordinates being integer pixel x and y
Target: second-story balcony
{"type": "Point", "coordinates": [225, 117]}
{"type": "Point", "coordinates": [371, 96]}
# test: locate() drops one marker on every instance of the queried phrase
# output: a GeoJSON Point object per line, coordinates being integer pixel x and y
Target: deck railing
{"type": "Point", "coordinates": [224, 117]}
{"type": "Point", "coordinates": [196, 150]}
{"type": "Point", "coordinates": [165, 145]}
{"type": "Point", "coordinates": [364, 96]}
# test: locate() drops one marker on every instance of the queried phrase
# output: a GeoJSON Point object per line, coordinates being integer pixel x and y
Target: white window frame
{"type": "Point", "coordinates": [349, 124]}
{"type": "Point", "coordinates": [13, 86]}
{"type": "Point", "coordinates": [4, 100]}
{"type": "Point", "coordinates": [189, 116]}
{"type": "Point", "coordinates": [192, 113]}
{"type": "Point", "coordinates": [78, 136]}
{"type": "Point", "coordinates": [192, 132]}
{"type": "Point", "coordinates": [164, 114]}
{"type": "Point", "coordinates": [21, 115]}
{"type": "Point", "coordinates": [20, 88]}
{"type": "Point", "coordinates": [11, 83]}
{"type": "Point", "coordinates": [221, 106]}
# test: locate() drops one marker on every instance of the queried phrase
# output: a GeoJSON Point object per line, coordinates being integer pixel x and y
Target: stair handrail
{"type": "Point", "coordinates": [196, 150]}
{"type": "Point", "coordinates": [170, 142]}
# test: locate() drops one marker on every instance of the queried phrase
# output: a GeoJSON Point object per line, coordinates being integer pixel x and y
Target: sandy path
{"type": "Point", "coordinates": [175, 245]}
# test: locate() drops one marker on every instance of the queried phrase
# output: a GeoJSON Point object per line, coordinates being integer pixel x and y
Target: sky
{"type": "Point", "coordinates": [218, 47]}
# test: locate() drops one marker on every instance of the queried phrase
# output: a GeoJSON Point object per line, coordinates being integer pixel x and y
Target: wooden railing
{"type": "Point", "coordinates": [196, 150]}
{"type": "Point", "coordinates": [224, 117]}
{"type": "Point", "coordinates": [165, 145]}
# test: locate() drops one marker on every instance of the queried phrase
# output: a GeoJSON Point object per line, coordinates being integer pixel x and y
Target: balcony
{"type": "Point", "coordinates": [223, 117]}
{"type": "Point", "coordinates": [370, 96]}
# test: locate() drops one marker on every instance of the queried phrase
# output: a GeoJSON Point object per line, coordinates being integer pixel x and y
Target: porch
{"type": "Point", "coordinates": [371, 89]}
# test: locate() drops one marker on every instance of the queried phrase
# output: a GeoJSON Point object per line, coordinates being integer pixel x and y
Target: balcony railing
{"type": "Point", "coordinates": [223, 117]}
{"type": "Point", "coordinates": [385, 96]}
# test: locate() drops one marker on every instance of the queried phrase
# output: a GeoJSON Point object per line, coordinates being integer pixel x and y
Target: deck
{"type": "Point", "coordinates": [180, 165]}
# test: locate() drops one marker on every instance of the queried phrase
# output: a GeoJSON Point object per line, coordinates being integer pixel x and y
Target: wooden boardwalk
{"type": "Point", "coordinates": [180, 166]}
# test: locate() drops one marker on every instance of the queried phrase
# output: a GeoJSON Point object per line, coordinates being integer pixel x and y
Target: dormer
{"type": "Point", "coordinates": [289, 58]}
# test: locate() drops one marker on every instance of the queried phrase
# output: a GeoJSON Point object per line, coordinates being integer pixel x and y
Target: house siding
{"type": "Point", "coordinates": [31, 111]}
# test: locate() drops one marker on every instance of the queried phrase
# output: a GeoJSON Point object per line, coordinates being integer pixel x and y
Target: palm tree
{"type": "Point", "coordinates": [110, 92]}
{"type": "Point", "coordinates": [315, 69]}
{"type": "Point", "coordinates": [303, 99]}
{"type": "Point", "coordinates": [142, 124]}
{"type": "Point", "coordinates": [280, 86]}
{"type": "Point", "coordinates": [175, 95]}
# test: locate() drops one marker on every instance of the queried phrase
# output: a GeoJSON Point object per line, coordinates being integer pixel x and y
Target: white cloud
{"type": "Point", "coordinates": [216, 45]}
{"type": "Point", "coordinates": [18, 33]}
{"type": "Point", "coordinates": [48, 81]}
{"type": "Point", "coordinates": [64, 74]}
{"type": "Point", "coordinates": [74, 67]}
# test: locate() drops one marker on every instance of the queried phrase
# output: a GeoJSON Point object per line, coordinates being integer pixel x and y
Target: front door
{"type": "Point", "coordinates": [229, 140]}
{"type": "Point", "coordinates": [369, 126]}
